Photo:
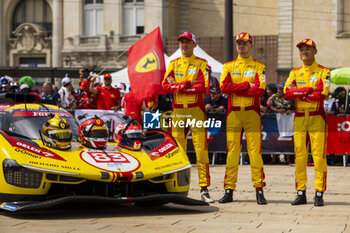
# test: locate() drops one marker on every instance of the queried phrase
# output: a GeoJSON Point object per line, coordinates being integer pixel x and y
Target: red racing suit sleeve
{"type": "Point", "coordinates": [296, 92]}
{"type": "Point", "coordinates": [198, 87]}
{"type": "Point", "coordinates": [226, 84]}
{"type": "Point", "coordinates": [322, 89]}
{"type": "Point", "coordinates": [259, 86]}
{"type": "Point", "coordinates": [173, 87]}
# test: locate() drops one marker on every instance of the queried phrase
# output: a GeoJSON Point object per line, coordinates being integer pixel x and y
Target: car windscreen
{"type": "Point", "coordinates": [30, 126]}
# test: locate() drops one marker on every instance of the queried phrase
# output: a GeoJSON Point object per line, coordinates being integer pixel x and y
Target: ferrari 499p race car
{"type": "Point", "coordinates": [34, 175]}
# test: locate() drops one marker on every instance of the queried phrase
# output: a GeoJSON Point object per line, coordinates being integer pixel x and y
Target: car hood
{"type": "Point", "coordinates": [113, 164]}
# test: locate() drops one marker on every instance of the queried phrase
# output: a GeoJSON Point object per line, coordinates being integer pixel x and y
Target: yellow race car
{"type": "Point", "coordinates": [34, 175]}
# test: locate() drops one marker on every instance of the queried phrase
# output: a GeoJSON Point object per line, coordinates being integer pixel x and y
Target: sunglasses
{"type": "Point", "coordinates": [107, 79]}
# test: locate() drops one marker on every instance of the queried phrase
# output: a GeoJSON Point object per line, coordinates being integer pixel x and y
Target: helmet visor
{"type": "Point", "coordinates": [63, 135]}
{"type": "Point", "coordinates": [98, 133]}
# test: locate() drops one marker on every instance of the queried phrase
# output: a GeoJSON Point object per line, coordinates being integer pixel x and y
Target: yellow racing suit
{"type": "Point", "coordinates": [188, 104]}
{"type": "Point", "coordinates": [243, 115]}
{"type": "Point", "coordinates": [312, 86]}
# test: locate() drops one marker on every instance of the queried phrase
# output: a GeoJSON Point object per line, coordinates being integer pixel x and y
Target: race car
{"type": "Point", "coordinates": [34, 175]}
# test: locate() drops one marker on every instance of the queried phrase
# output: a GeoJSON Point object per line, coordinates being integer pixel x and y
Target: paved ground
{"type": "Point", "coordinates": [243, 215]}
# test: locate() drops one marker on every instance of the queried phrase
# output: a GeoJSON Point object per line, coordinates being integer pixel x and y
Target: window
{"type": "Point", "coordinates": [33, 11]}
{"type": "Point", "coordinates": [93, 17]}
{"type": "Point", "coordinates": [343, 18]}
{"type": "Point", "coordinates": [133, 17]}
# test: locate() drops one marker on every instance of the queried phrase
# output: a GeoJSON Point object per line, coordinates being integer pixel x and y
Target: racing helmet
{"type": "Point", "coordinates": [93, 133]}
{"type": "Point", "coordinates": [56, 133]}
{"type": "Point", "coordinates": [131, 136]}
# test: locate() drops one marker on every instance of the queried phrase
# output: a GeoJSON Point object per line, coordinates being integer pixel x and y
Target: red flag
{"type": "Point", "coordinates": [146, 66]}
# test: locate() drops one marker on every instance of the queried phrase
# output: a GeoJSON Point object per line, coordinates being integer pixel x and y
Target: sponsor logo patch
{"type": "Point", "coordinates": [249, 74]}
{"type": "Point", "coordinates": [8, 207]}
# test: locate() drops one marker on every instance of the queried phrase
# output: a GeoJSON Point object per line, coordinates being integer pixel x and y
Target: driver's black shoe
{"type": "Point", "coordinates": [300, 199]}
{"type": "Point", "coordinates": [260, 199]}
{"type": "Point", "coordinates": [318, 201]}
{"type": "Point", "coordinates": [227, 197]}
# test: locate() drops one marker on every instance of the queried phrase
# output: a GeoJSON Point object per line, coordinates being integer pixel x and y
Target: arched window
{"type": "Point", "coordinates": [33, 11]}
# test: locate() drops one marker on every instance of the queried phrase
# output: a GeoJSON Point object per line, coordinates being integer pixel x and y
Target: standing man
{"type": "Point", "coordinates": [244, 81]}
{"type": "Point", "coordinates": [187, 79]}
{"type": "Point", "coordinates": [309, 86]}
{"type": "Point", "coordinates": [107, 97]}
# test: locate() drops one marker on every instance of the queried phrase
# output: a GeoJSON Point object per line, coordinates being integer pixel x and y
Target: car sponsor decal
{"type": "Point", "coordinates": [40, 113]}
{"type": "Point", "coordinates": [114, 161]}
{"type": "Point", "coordinates": [5, 106]}
{"type": "Point", "coordinates": [31, 150]}
{"type": "Point", "coordinates": [8, 207]}
{"type": "Point", "coordinates": [164, 149]}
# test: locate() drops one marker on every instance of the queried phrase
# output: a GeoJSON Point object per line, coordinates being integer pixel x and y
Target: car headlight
{"type": "Point", "coordinates": [19, 176]}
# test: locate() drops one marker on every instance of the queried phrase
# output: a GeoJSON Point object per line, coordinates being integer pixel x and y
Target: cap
{"type": "Point", "coordinates": [188, 35]}
{"type": "Point", "coordinates": [107, 75]}
{"type": "Point", "coordinates": [66, 80]}
{"type": "Point", "coordinates": [308, 42]}
{"type": "Point", "coordinates": [121, 86]}
{"type": "Point", "coordinates": [23, 86]}
{"type": "Point", "coordinates": [209, 68]}
{"type": "Point", "coordinates": [215, 89]}
{"type": "Point", "coordinates": [4, 81]}
{"type": "Point", "coordinates": [245, 36]}
{"type": "Point", "coordinates": [84, 84]}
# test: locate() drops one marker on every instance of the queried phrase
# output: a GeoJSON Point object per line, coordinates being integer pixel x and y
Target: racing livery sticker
{"type": "Point", "coordinates": [163, 149]}
{"type": "Point", "coordinates": [113, 161]}
{"type": "Point", "coordinates": [8, 207]}
{"type": "Point", "coordinates": [24, 147]}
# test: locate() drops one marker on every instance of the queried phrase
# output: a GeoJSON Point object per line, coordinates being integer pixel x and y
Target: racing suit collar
{"type": "Point", "coordinates": [241, 59]}
{"type": "Point", "coordinates": [187, 59]}
{"type": "Point", "coordinates": [312, 67]}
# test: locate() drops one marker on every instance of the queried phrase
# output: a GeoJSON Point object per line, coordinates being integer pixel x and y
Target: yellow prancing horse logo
{"type": "Point", "coordinates": [148, 63]}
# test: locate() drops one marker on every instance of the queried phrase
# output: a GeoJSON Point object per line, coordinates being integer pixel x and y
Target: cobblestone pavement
{"type": "Point", "coordinates": [242, 215]}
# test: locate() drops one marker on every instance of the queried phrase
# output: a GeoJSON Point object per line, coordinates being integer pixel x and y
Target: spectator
{"type": "Point", "coordinates": [107, 97]}
{"type": "Point", "coordinates": [212, 81]}
{"type": "Point", "coordinates": [165, 102]}
{"type": "Point", "coordinates": [330, 106]}
{"type": "Point", "coordinates": [5, 82]}
{"type": "Point", "coordinates": [271, 89]}
{"type": "Point", "coordinates": [150, 104]}
{"type": "Point", "coordinates": [215, 102]}
{"type": "Point", "coordinates": [67, 99]}
{"type": "Point", "coordinates": [284, 109]}
{"type": "Point", "coordinates": [50, 95]}
{"type": "Point", "coordinates": [26, 86]}
{"type": "Point", "coordinates": [340, 95]}
{"type": "Point", "coordinates": [132, 107]}
{"type": "Point", "coordinates": [122, 89]}
{"type": "Point", "coordinates": [86, 99]}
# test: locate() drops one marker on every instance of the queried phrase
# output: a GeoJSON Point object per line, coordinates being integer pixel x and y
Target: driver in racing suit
{"type": "Point", "coordinates": [244, 81]}
{"type": "Point", "coordinates": [186, 78]}
{"type": "Point", "coordinates": [309, 86]}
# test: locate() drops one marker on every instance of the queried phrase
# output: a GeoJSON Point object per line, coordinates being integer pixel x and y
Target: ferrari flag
{"type": "Point", "coordinates": [146, 66]}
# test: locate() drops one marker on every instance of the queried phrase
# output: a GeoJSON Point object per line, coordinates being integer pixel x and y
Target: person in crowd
{"type": "Point", "coordinates": [67, 98]}
{"type": "Point", "coordinates": [86, 99]}
{"type": "Point", "coordinates": [330, 106]}
{"type": "Point", "coordinates": [212, 81]}
{"type": "Point", "coordinates": [26, 86]}
{"type": "Point", "coordinates": [107, 97]}
{"type": "Point", "coordinates": [165, 102]}
{"type": "Point", "coordinates": [284, 110]}
{"type": "Point", "coordinates": [50, 95]}
{"type": "Point", "coordinates": [150, 104]}
{"type": "Point", "coordinates": [244, 81]}
{"type": "Point", "coordinates": [132, 107]}
{"type": "Point", "coordinates": [309, 86]}
{"type": "Point", "coordinates": [186, 78]}
{"type": "Point", "coordinates": [215, 102]}
{"type": "Point", "coordinates": [122, 89]}
{"type": "Point", "coordinates": [5, 82]}
{"type": "Point", "coordinates": [340, 95]}
{"type": "Point", "coordinates": [271, 89]}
